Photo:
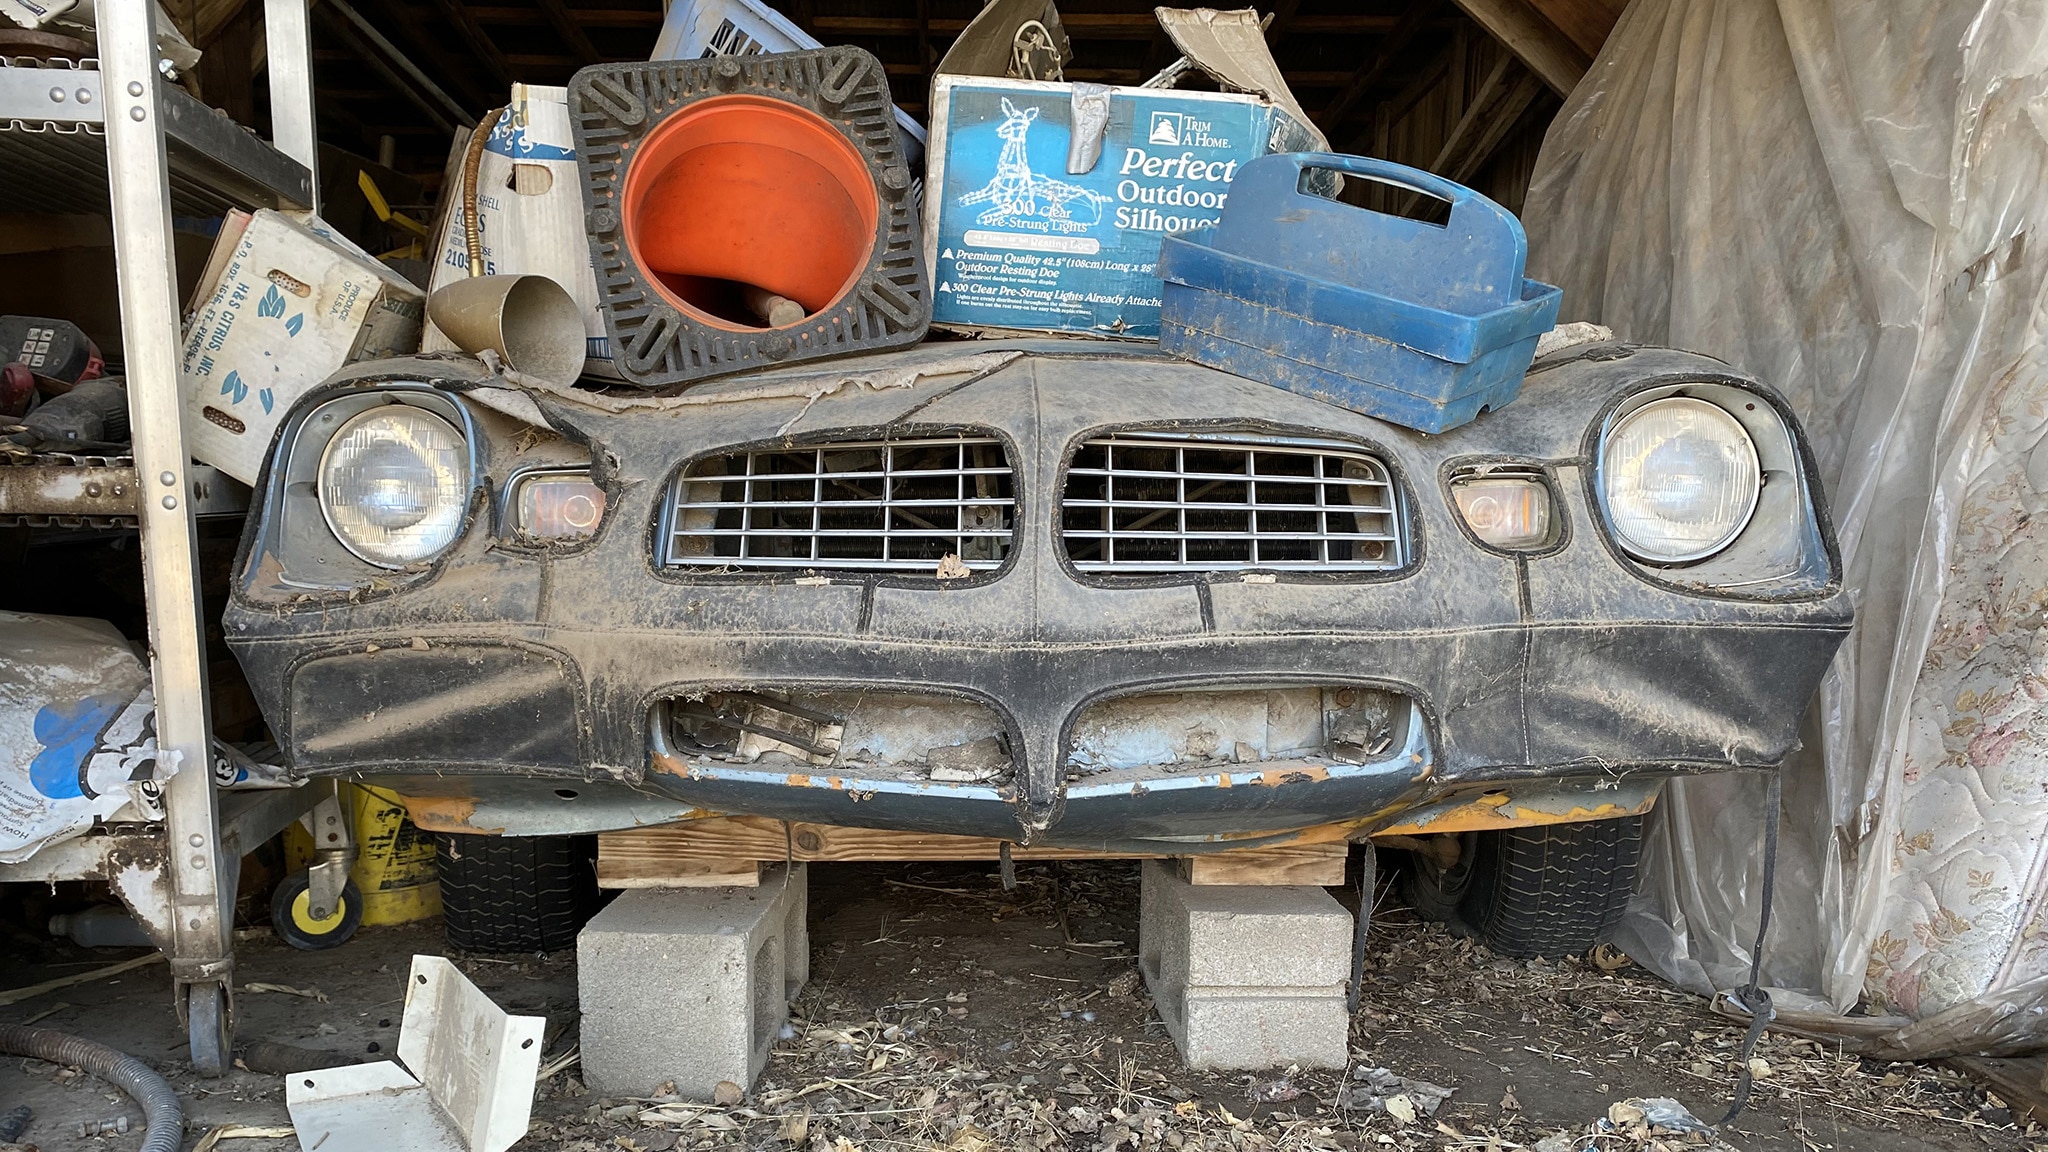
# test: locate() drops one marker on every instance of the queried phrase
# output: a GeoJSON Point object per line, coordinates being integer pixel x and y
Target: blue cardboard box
{"type": "Point", "coordinates": [1017, 238]}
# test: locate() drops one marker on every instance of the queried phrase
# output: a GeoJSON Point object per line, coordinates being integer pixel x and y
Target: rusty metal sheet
{"type": "Point", "coordinates": [1523, 804]}
{"type": "Point", "coordinates": [68, 491]}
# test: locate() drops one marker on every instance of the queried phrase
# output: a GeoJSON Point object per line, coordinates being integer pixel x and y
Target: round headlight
{"type": "Point", "coordinates": [394, 485]}
{"type": "Point", "coordinates": [1679, 479]}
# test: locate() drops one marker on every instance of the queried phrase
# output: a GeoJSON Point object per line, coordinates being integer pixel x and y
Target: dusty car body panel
{"type": "Point", "coordinates": [505, 658]}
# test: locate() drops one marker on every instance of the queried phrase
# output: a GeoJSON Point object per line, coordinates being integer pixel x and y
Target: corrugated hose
{"type": "Point", "coordinates": [166, 1125]}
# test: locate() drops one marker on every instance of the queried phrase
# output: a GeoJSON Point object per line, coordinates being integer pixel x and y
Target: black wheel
{"type": "Point", "coordinates": [206, 1023]}
{"type": "Point", "coordinates": [291, 915]}
{"type": "Point", "coordinates": [516, 893]}
{"type": "Point", "coordinates": [1550, 890]}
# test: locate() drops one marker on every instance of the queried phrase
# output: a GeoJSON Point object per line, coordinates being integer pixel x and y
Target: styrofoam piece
{"type": "Point", "coordinates": [465, 1085]}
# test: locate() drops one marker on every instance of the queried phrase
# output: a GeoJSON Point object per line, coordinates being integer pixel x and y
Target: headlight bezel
{"type": "Point", "coordinates": [465, 484]}
{"type": "Point", "coordinates": [303, 552]}
{"type": "Point", "coordinates": [1786, 550]}
{"type": "Point", "coordinates": [1629, 412]}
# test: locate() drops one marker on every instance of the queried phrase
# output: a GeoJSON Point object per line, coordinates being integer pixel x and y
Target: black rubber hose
{"type": "Point", "coordinates": [166, 1125]}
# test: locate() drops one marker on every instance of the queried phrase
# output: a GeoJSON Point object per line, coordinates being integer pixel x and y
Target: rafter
{"type": "Point", "coordinates": [446, 67]}
{"type": "Point", "coordinates": [1370, 73]}
{"type": "Point", "coordinates": [343, 31]}
{"type": "Point", "coordinates": [570, 31]}
{"type": "Point", "coordinates": [480, 42]}
{"type": "Point", "coordinates": [1536, 41]}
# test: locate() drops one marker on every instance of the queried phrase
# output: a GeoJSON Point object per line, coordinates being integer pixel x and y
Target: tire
{"type": "Point", "coordinates": [516, 893]}
{"type": "Point", "coordinates": [293, 922]}
{"type": "Point", "coordinates": [1550, 890]}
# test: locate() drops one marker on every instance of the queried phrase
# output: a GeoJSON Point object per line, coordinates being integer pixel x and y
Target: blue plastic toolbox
{"type": "Point", "coordinates": [1420, 324]}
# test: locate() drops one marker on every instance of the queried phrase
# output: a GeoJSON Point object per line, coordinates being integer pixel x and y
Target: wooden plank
{"type": "Point", "coordinates": [652, 857]}
{"type": "Point", "coordinates": [1586, 22]}
{"type": "Point", "coordinates": [1319, 864]}
{"type": "Point", "coordinates": [1506, 116]}
{"type": "Point", "coordinates": [633, 860]}
{"type": "Point", "coordinates": [759, 838]}
{"type": "Point", "coordinates": [2022, 1082]}
{"type": "Point", "coordinates": [1536, 41]}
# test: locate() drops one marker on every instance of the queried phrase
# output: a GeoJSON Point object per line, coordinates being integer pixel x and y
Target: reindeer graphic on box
{"type": "Point", "coordinates": [1016, 191]}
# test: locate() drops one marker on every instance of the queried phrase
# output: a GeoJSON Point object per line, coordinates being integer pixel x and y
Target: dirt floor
{"type": "Point", "coordinates": [946, 1013]}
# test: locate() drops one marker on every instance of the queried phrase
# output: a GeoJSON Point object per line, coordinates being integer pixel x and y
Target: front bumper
{"type": "Point", "coordinates": [511, 661]}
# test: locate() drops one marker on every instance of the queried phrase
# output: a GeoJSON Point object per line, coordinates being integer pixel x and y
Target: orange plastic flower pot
{"type": "Point", "coordinates": [747, 190]}
{"type": "Point", "coordinates": [747, 212]}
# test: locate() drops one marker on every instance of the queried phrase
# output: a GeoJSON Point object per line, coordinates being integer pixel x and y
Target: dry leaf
{"type": "Point", "coordinates": [727, 1094]}
{"type": "Point", "coordinates": [309, 993]}
{"type": "Point", "coordinates": [230, 1132]}
{"type": "Point", "coordinates": [1608, 958]}
{"type": "Point", "coordinates": [1759, 1067]}
{"type": "Point", "coordinates": [1401, 1108]}
{"type": "Point", "coordinates": [1622, 1114]}
{"type": "Point", "coordinates": [1508, 1103]}
{"type": "Point", "coordinates": [971, 1139]}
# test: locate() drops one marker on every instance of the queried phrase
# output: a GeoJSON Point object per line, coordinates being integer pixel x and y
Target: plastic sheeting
{"type": "Point", "coordinates": [1845, 199]}
{"type": "Point", "coordinates": [77, 739]}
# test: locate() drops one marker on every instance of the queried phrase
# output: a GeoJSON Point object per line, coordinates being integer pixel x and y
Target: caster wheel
{"type": "Point", "coordinates": [206, 1020]}
{"type": "Point", "coordinates": [291, 915]}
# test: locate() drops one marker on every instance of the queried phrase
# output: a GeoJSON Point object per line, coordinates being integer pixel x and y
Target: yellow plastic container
{"type": "Point", "coordinates": [395, 868]}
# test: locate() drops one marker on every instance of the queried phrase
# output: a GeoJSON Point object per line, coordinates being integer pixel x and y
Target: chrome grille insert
{"type": "Point", "coordinates": [865, 506]}
{"type": "Point", "coordinates": [1162, 503]}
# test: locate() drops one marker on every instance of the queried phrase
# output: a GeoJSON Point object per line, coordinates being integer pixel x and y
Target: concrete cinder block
{"type": "Point", "coordinates": [1246, 977]}
{"type": "Point", "coordinates": [690, 984]}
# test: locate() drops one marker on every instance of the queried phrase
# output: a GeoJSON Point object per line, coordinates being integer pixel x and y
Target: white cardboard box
{"type": "Point", "coordinates": [293, 303]}
{"type": "Point", "coordinates": [530, 198]}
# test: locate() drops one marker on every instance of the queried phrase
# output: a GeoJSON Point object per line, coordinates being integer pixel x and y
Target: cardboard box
{"type": "Point", "coordinates": [1017, 238]}
{"type": "Point", "coordinates": [530, 198]}
{"type": "Point", "coordinates": [694, 29]}
{"type": "Point", "coordinates": [292, 303]}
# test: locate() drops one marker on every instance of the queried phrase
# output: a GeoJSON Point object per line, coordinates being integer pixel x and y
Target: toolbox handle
{"type": "Point", "coordinates": [1472, 262]}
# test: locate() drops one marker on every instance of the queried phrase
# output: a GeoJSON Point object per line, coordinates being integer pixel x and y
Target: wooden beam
{"type": "Point", "coordinates": [1369, 73]}
{"type": "Point", "coordinates": [523, 61]}
{"type": "Point", "coordinates": [480, 42]}
{"type": "Point", "coordinates": [1482, 100]}
{"type": "Point", "coordinates": [656, 856]}
{"type": "Point", "coordinates": [1537, 42]}
{"type": "Point", "coordinates": [2021, 1081]}
{"type": "Point", "coordinates": [1397, 106]}
{"type": "Point", "coordinates": [211, 16]}
{"type": "Point", "coordinates": [1505, 119]}
{"type": "Point", "coordinates": [1318, 864]}
{"type": "Point", "coordinates": [445, 66]}
{"type": "Point", "coordinates": [227, 76]}
{"type": "Point", "coordinates": [588, 17]}
{"type": "Point", "coordinates": [346, 33]}
{"type": "Point", "coordinates": [570, 31]}
{"type": "Point", "coordinates": [1586, 23]}
{"type": "Point", "coordinates": [1281, 22]}
{"type": "Point", "coordinates": [629, 863]}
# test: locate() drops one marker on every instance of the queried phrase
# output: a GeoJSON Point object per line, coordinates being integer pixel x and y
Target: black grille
{"type": "Point", "coordinates": [1150, 503]}
{"type": "Point", "coordinates": [894, 505]}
